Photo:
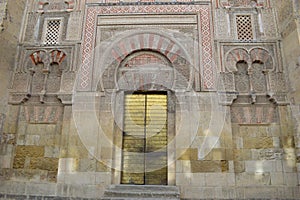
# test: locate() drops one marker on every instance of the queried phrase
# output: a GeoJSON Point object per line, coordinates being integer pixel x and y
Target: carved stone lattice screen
{"type": "Point", "coordinates": [52, 32]}
{"type": "Point", "coordinates": [244, 27]}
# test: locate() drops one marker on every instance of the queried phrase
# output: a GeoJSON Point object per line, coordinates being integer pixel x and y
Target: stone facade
{"type": "Point", "coordinates": [229, 69]}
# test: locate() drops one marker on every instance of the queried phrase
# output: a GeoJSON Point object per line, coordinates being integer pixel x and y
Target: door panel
{"type": "Point", "coordinates": [145, 139]}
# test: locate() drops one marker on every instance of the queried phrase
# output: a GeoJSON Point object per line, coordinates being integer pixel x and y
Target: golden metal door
{"type": "Point", "coordinates": [144, 158]}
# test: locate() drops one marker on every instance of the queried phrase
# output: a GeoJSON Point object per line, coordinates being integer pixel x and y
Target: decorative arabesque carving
{"type": "Point", "coordinates": [251, 69]}
{"type": "Point", "coordinates": [241, 78]}
{"type": "Point", "coordinates": [56, 5]}
{"type": "Point", "coordinates": [243, 3]}
{"type": "Point", "coordinates": [253, 74]}
{"type": "Point", "coordinates": [42, 74]}
{"type": "Point", "coordinates": [45, 73]}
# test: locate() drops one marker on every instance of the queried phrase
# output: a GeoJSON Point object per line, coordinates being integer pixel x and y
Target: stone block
{"type": "Point", "coordinates": [291, 179]}
{"type": "Point", "coordinates": [41, 129]}
{"type": "Point", "coordinates": [288, 141]}
{"type": "Point", "coordinates": [260, 193]}
{"type": "Point", "coordinates": [5, 161]}
{"type": "Point", "coordinates": [102, 167]}
{"type": "Point", "coordinates": [6, 149]}
{"type": "Point", "coordinates": [289, 192]}
{"type": "Point", "coordinates": [260, 166]}
{"type": "Point", "coordinates": [74, 152]}
{"type": "Point", "coordinates": [50, 164]}
{"type": "Point", "coordinates": [231, 166]}
{"type": "Point", "coordinates": [190, 192]}
{"type": "Point", "coordinates": [287, 130]}
{"type": "Point", "coordinates": [183, 166]}
{"type": "Point", "coordinates": [84, 178]}
{"type": "Point", "coordinates": [247, 131]}
{"type": "Point", "coordinates": [279, 167]}
{"type": "Point", "coordinates": [183, 179]}
{"type": "Point", "coordinates": [41, 189]}
{"type": "Point", "coordinates": [239, 166]}
{"type": "Point", "coordinates": [224, 166]}
{"type": "Point", "coordinates": [62, 189]}
{"type": "Point", "coordinates": [189, 154]}
{"type": "Point", "coordinates": [219, 154]}
{"type": "Point", "coordinates": [102, 178]}
{"type": "Point", "coordinates": [12, 187]}
{"type": "Point", "coordinates": [277, 178]}
{"type": "Point", "coordinates": [196, 179]}
{"type": "Point", "coordinates": [289, 166]}
{"type": "Point", "coordinates": [33, 140]}
{"type": "Point", "coordinates": [52, 176]}
{"type": "Point", "coordinates": [29, 151]}
{"type": "Point", "coordinates": [225, 193]}
{"type": "Point", "coordinates": [219, 179]}
{"type": "Point", "coordinates": [68, 165]}
{"type": "Point", "coordinates": [238, 142]}
{"type": "Point", "coordinates": [87, 165]}
{"type": "Point", "coordinates": [106, 153]}
{"type": "Point", "coordinates": [253, 179]}
{"type": "Point", "coordinates": [19, 162]}
{"type": "Point", "coordinates": [226, 140]}
{"type": "Point", "coordinates": [206, 166]}
{"type": "Point", "coordinates": [52, 151]}
{"type": "Point", "coordinates": [274, 130]}
{"type": "Point", "coordinates": [28, 175]}
{"type": "Point", "coordinates": [276, 142]}
{"type": "Point", "coordinates": [242, 154]}
{"type": "Point", "coordinates": [89, 191]}
{"type": "Point", "coordinates": [258, 143]}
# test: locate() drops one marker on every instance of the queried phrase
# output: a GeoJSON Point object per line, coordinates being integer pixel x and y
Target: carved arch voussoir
{"type": "Point", "coordinates": [39, 56]}
{"type": "Point", "coordinates": [234, 56]}
{"type": "Point", "coordinates": [41, 5]}
{"type": "Point", "coordinates": [249, 56]}
{"type": "Point", "coordinates": [71, 4]}
{"type": "Point", "coordinates": [67, 5]}
{"type": "Point", "coordinates": [262, 55]}
{"type": "Point", "coordinates": [57, 56]}
{"type": "Point", "coordinates": [157, 42]}
{"type": "Point", "coordinates": [144, 41]}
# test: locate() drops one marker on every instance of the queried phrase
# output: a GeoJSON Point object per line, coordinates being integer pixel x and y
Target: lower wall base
{"type": "Point", "coordinates": [14, 190]}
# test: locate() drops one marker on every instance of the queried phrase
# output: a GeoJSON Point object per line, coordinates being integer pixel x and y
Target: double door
{"type": "Point", "coordinates": [144, 156]}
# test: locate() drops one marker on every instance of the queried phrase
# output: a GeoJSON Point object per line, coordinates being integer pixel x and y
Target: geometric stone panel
{"type": "Point", "coordinates": [208, 80]}
{"type": "Point", "coordinates": [258, 78]}
{"type": "Point", "coordinates": [254, 114]}
{"type": "Point", "coordinates": [43, 114]}
{"type": "Point", "coordinates": [241, 78]}
{"type": "Point", "coordinates": [242, 3]}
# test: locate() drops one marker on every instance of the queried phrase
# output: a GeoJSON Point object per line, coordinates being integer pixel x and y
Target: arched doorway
{"type": "Point", "coordinates": [144, 155]}
{"type": "Point", "coordinates": [145, 79]}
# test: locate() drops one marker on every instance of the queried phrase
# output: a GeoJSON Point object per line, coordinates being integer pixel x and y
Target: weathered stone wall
{"type": "Point", "coordinates": [11, 16]}
{"type": "Point", "coordinates": [289, 28]}
{"type": "Point", "coordinates": [10, 21]}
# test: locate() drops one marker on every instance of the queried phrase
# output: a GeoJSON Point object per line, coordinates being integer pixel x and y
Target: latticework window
{"type": "Point", "coordinates": [52, 32]}
{"type": "Point", "coordinates": [244, 27]}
